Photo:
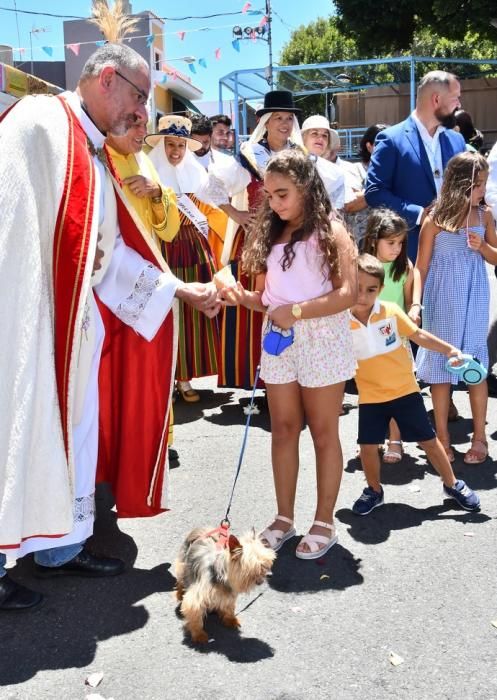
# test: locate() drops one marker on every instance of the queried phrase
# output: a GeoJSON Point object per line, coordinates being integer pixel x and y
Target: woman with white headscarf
{"type": "Point", "coordinates": [189, 255]}
{"type": "Point", "coordinates": [241, 181]}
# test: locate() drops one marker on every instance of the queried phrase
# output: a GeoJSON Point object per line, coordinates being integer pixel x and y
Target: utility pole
{"type": "Point", "coordinates": [270, 43]}
{"type": "Point", "coordinates": [35, 30]}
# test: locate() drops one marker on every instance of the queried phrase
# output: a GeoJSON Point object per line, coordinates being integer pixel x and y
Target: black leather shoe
{"type": "Point", "coordinates": [14, 597]}
{"type": "Point", "coordinates": [84, 564]}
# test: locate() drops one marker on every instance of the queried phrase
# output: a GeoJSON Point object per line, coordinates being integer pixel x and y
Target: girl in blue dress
{"type": "Point", "coordinates": [455, 241]}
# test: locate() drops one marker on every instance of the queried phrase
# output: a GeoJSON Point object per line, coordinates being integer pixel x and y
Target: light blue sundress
{"type": "Point", "coordinates": [456, 303]}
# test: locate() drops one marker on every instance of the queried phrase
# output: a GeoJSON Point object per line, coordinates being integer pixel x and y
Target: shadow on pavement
{"type": "Point", "coordinates": [189, 412]}
{"type": "Point", "coordinates": [398, 474]}
{"type": "Point", "coordinates": [229, 642]}
{"type": "Point", "coordinates": [233, 414]}
{"type": "Point", "coordinates": [460, 430]}
{"type": "Point", "coordinates": [377, 526]}
{"type": "Point", "coordinates": [78, 613]}
{"type": "Point", "coordinates": [481, 477]}
{"type": "Point", "coordinates": [338, 569]}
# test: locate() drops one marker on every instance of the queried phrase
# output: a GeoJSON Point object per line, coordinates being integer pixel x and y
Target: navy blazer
{"type": "Point", "coordinates": [400, 176]}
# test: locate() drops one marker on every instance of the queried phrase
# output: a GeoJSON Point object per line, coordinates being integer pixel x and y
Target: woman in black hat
{"type": "Point", "coordinates": [241, 180]}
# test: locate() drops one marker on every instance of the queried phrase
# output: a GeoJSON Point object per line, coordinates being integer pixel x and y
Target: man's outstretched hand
{"type": "Point", "coordinates": [201, 296]}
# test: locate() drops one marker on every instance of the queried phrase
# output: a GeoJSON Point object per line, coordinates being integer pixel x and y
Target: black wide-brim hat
{"type": "Point", "coordinates": [278, 101]}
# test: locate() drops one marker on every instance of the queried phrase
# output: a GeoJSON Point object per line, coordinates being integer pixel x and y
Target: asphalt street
{"type": "Point", "coordinates": [416, 577]}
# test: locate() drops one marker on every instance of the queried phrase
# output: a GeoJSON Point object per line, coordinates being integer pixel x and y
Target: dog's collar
{"type": "Point", "coordinates": [223, 535]}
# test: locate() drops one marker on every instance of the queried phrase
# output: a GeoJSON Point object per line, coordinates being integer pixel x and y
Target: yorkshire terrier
{"type": "Point", "coordinates": [212, 568]}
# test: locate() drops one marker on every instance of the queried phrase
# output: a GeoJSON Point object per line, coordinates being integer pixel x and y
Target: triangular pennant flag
{"type": "Point", "coordinates": [202, 62]}
{"type": "Point", "coordinates": [48, 50]}
{"type": "Point", "coordinates": [181, 35]}
{"type": "Point", "coordinates": [163, 80]}
{"type": "Point", "coordinates": [150, 40]}
{"type": "Point", "coordinates": [255, 12]}
{"type": "Point", "coordinates": [74, 48]}
{"type": "Point", "coordinates": [100, 43]}
{"type": "Point", "coordinates": [236, 44]}
{"type": "Point", "coordinates": [192, 68]}
{"type": "Point", "coordinates": [217, 54]}
{"type": "Point", "coordinates": [263, 21]}
{"type": "Point", "coordinates": [246, 7]}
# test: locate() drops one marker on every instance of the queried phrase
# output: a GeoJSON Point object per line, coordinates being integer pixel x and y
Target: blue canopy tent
{"type": "Point", "coordinates": [251, 84]}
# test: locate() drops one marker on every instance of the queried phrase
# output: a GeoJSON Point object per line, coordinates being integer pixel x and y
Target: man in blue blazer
{"type": "Point", "coordinates": [408, 160]}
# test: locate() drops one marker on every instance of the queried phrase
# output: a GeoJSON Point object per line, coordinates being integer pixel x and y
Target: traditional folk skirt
{"type": "Point", "coordinates": [190, 258]}
{"type": "Point", "coordinates": [241, 331]}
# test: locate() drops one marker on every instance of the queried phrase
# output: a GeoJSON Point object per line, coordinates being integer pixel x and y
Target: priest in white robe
{"type": "Point", "coordinates": [79, 275]}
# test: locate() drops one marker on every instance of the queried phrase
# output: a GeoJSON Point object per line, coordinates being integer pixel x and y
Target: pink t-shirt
{"type": "Point", "coordinates": [305, 279]}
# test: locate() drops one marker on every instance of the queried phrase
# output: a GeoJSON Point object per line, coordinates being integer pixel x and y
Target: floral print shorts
{"type": "Point", "coordinates": [321, 354]}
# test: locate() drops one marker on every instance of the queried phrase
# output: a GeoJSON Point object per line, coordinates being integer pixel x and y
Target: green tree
{"type": "Point", "coordinates": [323, 41]}
{"type": "Point", "coordinates": [379, 26]}
{"type": "Point", "coordinates": [318, 42]}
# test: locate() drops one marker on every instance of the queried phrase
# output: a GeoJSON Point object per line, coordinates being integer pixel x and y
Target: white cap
{"type": "Point", "coordinates": [317, 121]}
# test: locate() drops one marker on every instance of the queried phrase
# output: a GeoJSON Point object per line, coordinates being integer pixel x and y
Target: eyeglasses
{"type": "Point", "coordinates": [143, 97]}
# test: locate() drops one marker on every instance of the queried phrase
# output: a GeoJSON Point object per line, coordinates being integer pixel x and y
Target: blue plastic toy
{"type": "Point", "coordinates": [277, 340]}
{"type": "Point", "coordinates": [471, 371]}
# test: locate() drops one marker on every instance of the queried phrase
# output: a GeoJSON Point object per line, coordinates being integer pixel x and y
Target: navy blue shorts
{"type": "Point", "coordinates": [409, 412]}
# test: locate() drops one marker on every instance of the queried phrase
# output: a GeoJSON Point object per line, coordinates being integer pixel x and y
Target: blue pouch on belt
{"type": "Point", "coordinates": [277, 340]}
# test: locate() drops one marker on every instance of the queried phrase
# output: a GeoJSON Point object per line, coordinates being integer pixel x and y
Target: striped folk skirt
{"type": "Point", "coordinates": [241, 331]}
{"type": "Point", "coordinates": [190, 258]}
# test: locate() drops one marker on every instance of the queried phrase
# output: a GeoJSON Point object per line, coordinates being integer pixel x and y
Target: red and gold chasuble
{"type": "Point", "coordinates": [136, 376]}
{"type": "Point", "coordinates": [135, 386]}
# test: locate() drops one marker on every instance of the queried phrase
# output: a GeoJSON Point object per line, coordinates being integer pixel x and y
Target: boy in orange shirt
{"type": "Point", "coordinates": [388, 388]}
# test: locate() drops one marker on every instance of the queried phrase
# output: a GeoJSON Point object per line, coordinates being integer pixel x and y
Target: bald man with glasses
{"type": "Point", "coordinates": [92, 329]}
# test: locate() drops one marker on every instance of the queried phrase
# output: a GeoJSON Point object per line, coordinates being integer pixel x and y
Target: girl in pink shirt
{"type": "Point", "coordinates": [305, 267]}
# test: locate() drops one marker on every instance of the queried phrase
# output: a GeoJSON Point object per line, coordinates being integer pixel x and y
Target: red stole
{"type": "Point", "coordinates": [135, 375]}
{"type": "Point", "coordinates": [134, 390]}
{"type": "Point", "coordinates": [70, 251]}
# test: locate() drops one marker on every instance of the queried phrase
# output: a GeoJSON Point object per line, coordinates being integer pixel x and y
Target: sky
{"type": "Point", "coordinates": [198, 41]}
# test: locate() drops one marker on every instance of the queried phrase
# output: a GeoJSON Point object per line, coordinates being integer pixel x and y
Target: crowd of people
{"type": "Point", "coordinates": [115, 250]}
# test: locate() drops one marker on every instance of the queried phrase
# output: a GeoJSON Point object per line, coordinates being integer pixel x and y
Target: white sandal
{"type": "Point", "coordinates": [313, 542]}
{"type": "Point", "coordinates": [277, 538]}
{"type": "Point", "coordinates": [393, 456]}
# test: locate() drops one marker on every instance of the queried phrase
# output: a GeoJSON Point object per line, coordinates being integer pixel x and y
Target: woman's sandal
{"type": "Point", "coordinates": [189, 395]}
{"type": "Point", "coordinates": [392, 456]}
{"type": "Point", "coordinates": [313, 542]}
{"type": "Point", "coordinates": [276, 538]}
{"type": "Point", "coordinates": [477, 453]}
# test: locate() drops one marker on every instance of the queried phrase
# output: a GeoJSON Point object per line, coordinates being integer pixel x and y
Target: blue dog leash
{"type": "Point", "coordinates": [225, 521]}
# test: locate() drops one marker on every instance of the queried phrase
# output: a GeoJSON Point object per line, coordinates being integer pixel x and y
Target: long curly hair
{"type": "Point", "coordinates": [385, 223]}
{"type": "Point", "coordinates": [267, 227]}
{"type": "Point", "coordinates": [454, 202]}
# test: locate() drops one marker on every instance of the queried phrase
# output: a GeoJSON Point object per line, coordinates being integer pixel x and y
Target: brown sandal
{"type": "Point", "coordinates": [477, 453]}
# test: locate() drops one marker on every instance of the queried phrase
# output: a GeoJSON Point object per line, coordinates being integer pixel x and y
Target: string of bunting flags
{"type": "Point", "coordinates": [246, 9]}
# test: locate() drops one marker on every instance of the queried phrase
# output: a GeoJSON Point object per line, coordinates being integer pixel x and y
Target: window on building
{"type": "Point", "coordinates": [157, 59]}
